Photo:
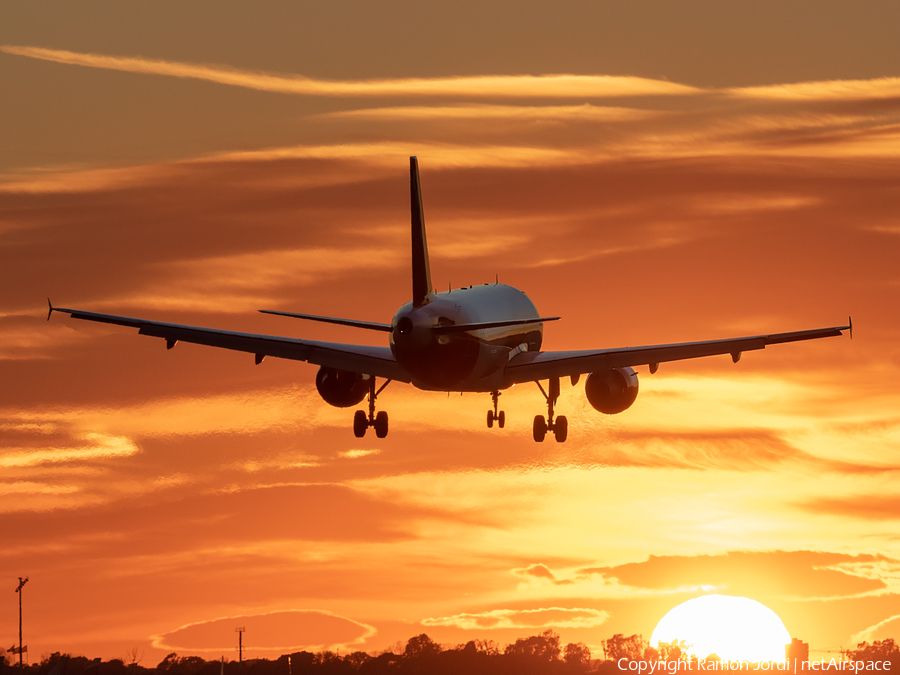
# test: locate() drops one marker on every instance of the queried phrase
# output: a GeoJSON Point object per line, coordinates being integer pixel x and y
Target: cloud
{"type": "Point", "coordinates": [240, 412]}
{"type": "Point", "coordinates": [782, 574]}
{"type": "Point", "coordinates": [30, 337]}
{"type": "Point", "coordinates": [245, 282]}
{"type": "Point", "coordinates": [548, 617]}
{"type": "Point", "coordinates": [358, 452]}
{"type": "Point", "coordinates": [195, 519]}
{"type": "Point", "coordinates": [871, 632]}
{"type": "Point", "coordinates": [541, 86]}
{"type": "Point", "coordinates": [31, 487]}
{"type": "Point", "coordinates": [735, 450]}
{"type": "Point", "coordinates": [863, 507]}
{"type": "Point", "coordinates": [829, 90]}
{"type": "Point", "coordinates": [291, 630]}
{"type": "Point", "coordinates": [95, 446]}
{"type": "Point", "coordinates": [727, 449]}
{"type": "Point", "coordinates": [583, 112]}
{"type": "Point", "coordinates": [538, 570]}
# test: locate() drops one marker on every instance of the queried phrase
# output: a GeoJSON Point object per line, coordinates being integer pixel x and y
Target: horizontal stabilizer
{"type": "Point", "coordinates": [368, 325]}
{"type": "Point", "coordinates": [463, 327]}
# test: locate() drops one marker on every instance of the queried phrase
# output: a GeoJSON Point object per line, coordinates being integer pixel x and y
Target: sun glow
{"type": "Point", "coordinates": [732, 628]}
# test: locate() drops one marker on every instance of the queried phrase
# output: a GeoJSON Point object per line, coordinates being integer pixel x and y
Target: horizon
{"type": "Point", "coordinates": [134, 656]}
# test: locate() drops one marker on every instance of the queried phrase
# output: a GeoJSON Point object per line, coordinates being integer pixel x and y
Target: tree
{"type": "Point", "coordinates": [673, 651]}
{"type": "Point", "coordinates": [880, 650]}
{"type": "Point", "coordinates": [421, 646]}
{"type": "Point", "coordinates": [577, 654]}
{"type": "Point", "coordinates": [356, 659]}
{"type": "Point", "coordinates": [488, 647]}
{"type": "Point", "coordinates": [543, 647]}
{"type": "Point", "coordinates": [133, 657]}
{"type": "Point", "coordinates": [180, 665]}
{"type": "Point", "coordinates": [620, 647]}
{"type": "Point", "coordinates": [169, 662]}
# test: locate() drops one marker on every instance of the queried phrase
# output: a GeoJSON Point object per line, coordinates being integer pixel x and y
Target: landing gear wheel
{"type": "Point", "coordinates": [501, 419]}
{"type": "Point", "coordinates": [561, 428]}
{"type": "Point", "coordinates": [360, 424]}
{"type": "Point", "coordinates": [381, 424]}
{"type": "Point", "coordinates": [560, 425]}
{"type": "Point", "coordinates": [540, 428]}
{"type": "Point", "coordinates": [490, 419]}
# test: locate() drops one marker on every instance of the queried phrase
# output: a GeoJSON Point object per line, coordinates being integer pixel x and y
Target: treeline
{"type": "Point", "coordinates": [537, 655]}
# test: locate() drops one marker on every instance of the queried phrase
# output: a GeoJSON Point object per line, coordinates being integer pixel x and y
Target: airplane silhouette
{"type": "Point", "coordinates": [482, 338]}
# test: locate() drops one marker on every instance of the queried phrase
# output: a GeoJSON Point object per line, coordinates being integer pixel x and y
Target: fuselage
{"type": "Point", "coordinates": [464, 361]}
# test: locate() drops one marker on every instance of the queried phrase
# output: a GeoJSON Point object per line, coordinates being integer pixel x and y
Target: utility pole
{"type": "Point", "coordinates": [22, 582]}
{"type": "Point", "coordinates": [240, 631]}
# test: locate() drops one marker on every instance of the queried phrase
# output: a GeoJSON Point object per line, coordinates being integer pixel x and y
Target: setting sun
{"type": "Point", "coordinates": [734, 629]}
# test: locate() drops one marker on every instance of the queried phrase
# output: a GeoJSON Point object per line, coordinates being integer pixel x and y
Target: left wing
{"type": "Point", "coordinates": [375, 361]}
{"type": "Point", "coordinates": [531, 366]}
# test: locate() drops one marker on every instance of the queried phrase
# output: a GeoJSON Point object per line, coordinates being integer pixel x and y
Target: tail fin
{"type": "Point", "coordinates": [421, 270]}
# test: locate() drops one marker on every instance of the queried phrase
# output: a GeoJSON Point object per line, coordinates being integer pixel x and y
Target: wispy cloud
{"type": "Point", "coordinates": [490, 86]}
{"type": "Point", "coordinates": [95, 446]}
{"type": "Point", "coordinates": [559, 617]}
{"type": "Point", "coordinates": [794, 574]}
{"type": "Point", "coordinates": [586, 112]}
{"type": "Point", "coordinates": [869, 633]}
{"type": "Point", "coordinates": [830, 90]}
{"type": "Point", "coordinates": [541, 573]}
{"type": "Point", "coordinates": [32, 487]}
{"type": "Point", "coordinates": [279, 630]}
{"type": "Point", "coordinates": [864, 506]}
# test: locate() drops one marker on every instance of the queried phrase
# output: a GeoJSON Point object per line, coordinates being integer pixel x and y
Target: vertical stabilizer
{"type": "Point", "coordinates": [421, 270]}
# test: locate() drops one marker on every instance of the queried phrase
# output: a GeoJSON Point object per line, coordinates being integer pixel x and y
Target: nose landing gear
{"type": "Point", "coordinates": [361, 421]}
{"type": "Point", "coordinates": [493, 415]}
{"type": "Point", "coordinates": [559, 426]}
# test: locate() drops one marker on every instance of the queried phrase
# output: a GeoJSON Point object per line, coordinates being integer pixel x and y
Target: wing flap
{"type": "Point", "coordinates": [531, 366]}
{"type": "Point", "coordinates": [376, 361]}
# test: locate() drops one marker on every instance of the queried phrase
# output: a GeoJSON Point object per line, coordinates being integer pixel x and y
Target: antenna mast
{"type": "Point", "coordinates": [240, 631]}
{"type": "Point", "coordinates": [22, 582]}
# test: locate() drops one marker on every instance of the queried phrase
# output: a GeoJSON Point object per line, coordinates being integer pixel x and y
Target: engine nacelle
{"type": "Point", "coordinates": [612, 391]}
{"type": "Point", "coordinates": [341, 388]}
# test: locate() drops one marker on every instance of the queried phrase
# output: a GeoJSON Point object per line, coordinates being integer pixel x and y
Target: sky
{"type": "Point", "coordinates": [650, 171]}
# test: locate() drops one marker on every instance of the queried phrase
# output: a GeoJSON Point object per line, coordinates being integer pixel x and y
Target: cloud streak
{"type": "Point", "coordinates": [559, 617]}
{"type": "Point", "coordinates": [282, 631]}
{"type": "Point", "coordinates": [585, 112]}
{"type": "Point", "coordinates": [489, 86]}
{"type": "Point", "coordinates": [96, 446]}
{"type": "Point", "coordinates": [830, 90]}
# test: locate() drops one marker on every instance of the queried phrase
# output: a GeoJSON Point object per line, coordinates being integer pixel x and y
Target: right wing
{"type": "Point", "coordinates": [531, 366]}
{"type": "Point", "coordinates": [375, 361]}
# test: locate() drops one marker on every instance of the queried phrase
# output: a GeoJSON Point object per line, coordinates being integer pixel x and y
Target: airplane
{"type": "Point", "coordinates": [481, 338]}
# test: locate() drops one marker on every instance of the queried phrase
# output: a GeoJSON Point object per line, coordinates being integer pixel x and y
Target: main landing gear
{"type": "Point", "coordinates": [559, 426]}
{"type": "Point", "coordinates": [361, 421]}
{"type": "Point", "coordinates": [493, 415]}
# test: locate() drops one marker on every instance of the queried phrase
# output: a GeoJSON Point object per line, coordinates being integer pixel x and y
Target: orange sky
{"type": "Point", "coordinates": [649, 175]}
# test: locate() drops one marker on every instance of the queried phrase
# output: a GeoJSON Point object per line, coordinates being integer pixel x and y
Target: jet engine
{"type": "Point", "coordinates": [341, 388]}
{"type": "Point", "coordinates": [612, 391]}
